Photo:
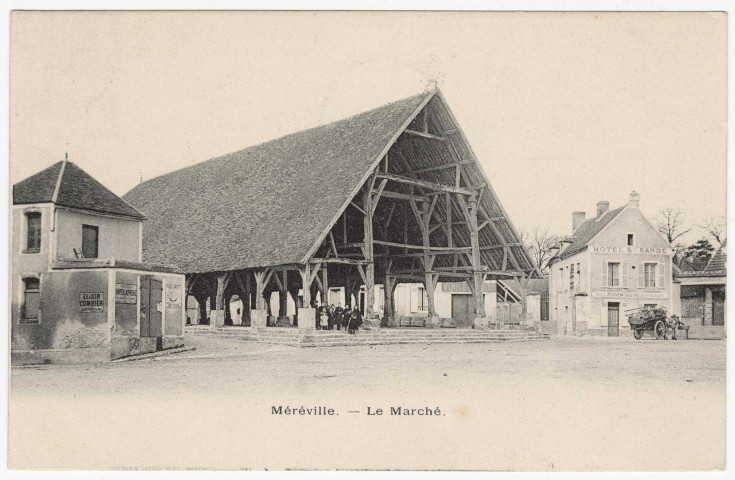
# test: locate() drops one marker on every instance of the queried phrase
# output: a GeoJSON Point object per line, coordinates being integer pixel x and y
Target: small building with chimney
{"type": "Point", "coordinates": [79, 289]}
{"type": "Point", "coordinates": [615, 262]}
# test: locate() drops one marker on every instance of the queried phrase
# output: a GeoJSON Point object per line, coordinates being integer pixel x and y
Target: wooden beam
{"type": "Point", "coordinates": [361, 271]}
{"type": "Point", "coordinates": [443, 166]}
{"type": "Point", "coordinates": [449, 229]}
{"type": "Point", "coordinates": [421, 247]}
{"type": "Point", "coordinates": [377, 194]}
{"type": "Point", "coordinates": [334, 244]}
{"type": "Point", "coordinates": [390, 215]}
{"type": "Point", "coordinates": [279, 284]}
{"type": "Point", "coordinates": [425, 184]}
{"type": "Point", "coordinates": [424, 135]}
{"type": "Point", "coordinates": [342, 260]}
{"type": "Point", "coordinates": [403, 196]}
{"type": "Point", "coordinates": [357, 207]}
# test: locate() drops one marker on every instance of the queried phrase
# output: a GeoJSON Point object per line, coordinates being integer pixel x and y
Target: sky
{"type": "Point", "coordinates": [561, 109]}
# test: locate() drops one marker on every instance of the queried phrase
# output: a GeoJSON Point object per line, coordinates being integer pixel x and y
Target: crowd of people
{"type": "Point", "coordinates": [329, 317]}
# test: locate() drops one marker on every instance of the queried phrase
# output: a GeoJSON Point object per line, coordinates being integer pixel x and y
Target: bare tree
{"type": "Point", "coordinates": [716, 227]}
{"type": "Point", "coordinates": [539, 243]}
{"type": "Point", "coordinates": [670, 223]}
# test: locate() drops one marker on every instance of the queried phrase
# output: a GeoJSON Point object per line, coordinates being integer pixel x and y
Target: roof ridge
{"type": "Point", "coordinates": [284, 136]}
{"type": "Point", "coordinates": [55, 196]}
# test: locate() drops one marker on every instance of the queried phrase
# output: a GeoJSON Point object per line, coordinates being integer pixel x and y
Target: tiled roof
{"type": "Point", "coordinates": [589, 230]}
{"type": "Point", "coordinates": [269, 204]}
{"type": "Point", "coordinates": [718, 263]}
{"type": "Point", "coordinates": [76, 189]}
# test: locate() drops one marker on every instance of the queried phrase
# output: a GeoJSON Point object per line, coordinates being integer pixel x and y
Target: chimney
{"type": "Point", "coordinates": [577, 219]}
{"type": "Point", "coordinates": [634, 199]}
{"type": "Point", "coordinates": [602, 207]}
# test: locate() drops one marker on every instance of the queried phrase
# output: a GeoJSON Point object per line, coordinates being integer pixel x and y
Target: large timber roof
{"type": "Point", "coordinates": [272, 204]}
{"type": "Point", "coordinates": [65, 184]}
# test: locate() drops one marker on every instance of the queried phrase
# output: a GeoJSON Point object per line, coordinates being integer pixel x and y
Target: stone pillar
{"type": "Point", "coordinates": [258, 318]}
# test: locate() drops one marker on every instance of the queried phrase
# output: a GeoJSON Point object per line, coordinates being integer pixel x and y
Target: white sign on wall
{"type": "Point", "coordinates": [126, 293]}
{"type": "Point", "coordinates": [173, 296]}
{"type": "Point", "coordinates": [628, 294]}
{"type": "Point", "coordinates": [632, 250]}
{"type": "Point", "coordinates": [91, 301]}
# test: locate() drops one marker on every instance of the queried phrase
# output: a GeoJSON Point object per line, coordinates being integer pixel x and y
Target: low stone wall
{"type": "Point", "coordinates": [547, 327]}
{"type": "Point", "coordinates": [65, 356]}
{"type": "Point", "coordinates": [706, 332]}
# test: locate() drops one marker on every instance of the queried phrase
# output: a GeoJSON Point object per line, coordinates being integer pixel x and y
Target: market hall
{"type": "Point", "coordinates": [389, 196]}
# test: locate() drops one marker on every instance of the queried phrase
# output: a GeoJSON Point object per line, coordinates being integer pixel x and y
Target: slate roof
{"type": "Point", "coordinates": [270, 201]}
{"type": "Point", "coordinates": [76, 189]}
{"type": "Point", "coordinates": [589, 230]}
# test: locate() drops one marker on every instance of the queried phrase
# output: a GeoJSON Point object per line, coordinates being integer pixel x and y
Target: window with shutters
{"type": "Point", "coordinates": [649, 275]}
{"type": "Point", "coordinates": [613, 274]}
{"type": "Point", "coordinates": [33, 232]}
{"type": "Point", "coordinates": [578, 274]}
{"type": "Point", "coordinates": [31, 300]}
{"type": "Point", "coordinates": [571, 277]}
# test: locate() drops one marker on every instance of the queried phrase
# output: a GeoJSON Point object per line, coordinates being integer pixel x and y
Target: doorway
{"type": "Point", "coordinates": [462, 310]}
{"type": "Point", "coordinates": [151, 303]}
{"type": "Point", "coordinates": [613, 319]}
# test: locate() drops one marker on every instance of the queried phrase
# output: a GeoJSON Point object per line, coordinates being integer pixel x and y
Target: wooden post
{"type": "Point", "coordinates": [369, 257]}
{"type": "Point", "coordinates": [348, 293]}
{"type": "Point", "coordinates": [248, 297]}
{"type": "Point", "coordinates": [477, 275]}
{"type": "Point", "coordinates": [217, 314]}
{"type": "Point", "coordinates": [388, 312]}
{"type": "Point", "coordinates": [202, 301]}
{"type": "Point", "coordinates": [283, 296]}
{"type": "Point", "coordinates": [259, 289]}
{"type": "Point", "coordinates": [325, 285]}
{"type": "Point", "coordinates": [523, 287]}
{"type": "Point", "coordinates": [307, 315]}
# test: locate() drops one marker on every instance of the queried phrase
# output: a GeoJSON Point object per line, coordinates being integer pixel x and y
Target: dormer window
{"type": "Point", "coordinates": [33, 232]}
{"type": "Point", "coordinates": [630, 240]}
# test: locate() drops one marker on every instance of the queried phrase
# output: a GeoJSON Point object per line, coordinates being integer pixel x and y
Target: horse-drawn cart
{"type": "Point", "coordinates": [646, 319]}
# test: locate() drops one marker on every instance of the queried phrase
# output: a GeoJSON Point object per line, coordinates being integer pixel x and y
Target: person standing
{"type": "Point", "coordinates": [330, 314]}
{"type": "Point", "coordinates": [346, 317]}
{"type": "Point", "coordinates": [355, 320]}
{"type": "Point", "coordinates": [338, 315]}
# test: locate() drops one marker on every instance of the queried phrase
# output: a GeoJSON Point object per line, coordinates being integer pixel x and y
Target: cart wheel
{"type": "Point", "coordinates": [659, 330]}
{"type": "Point", "coordinates": [637, 333]}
